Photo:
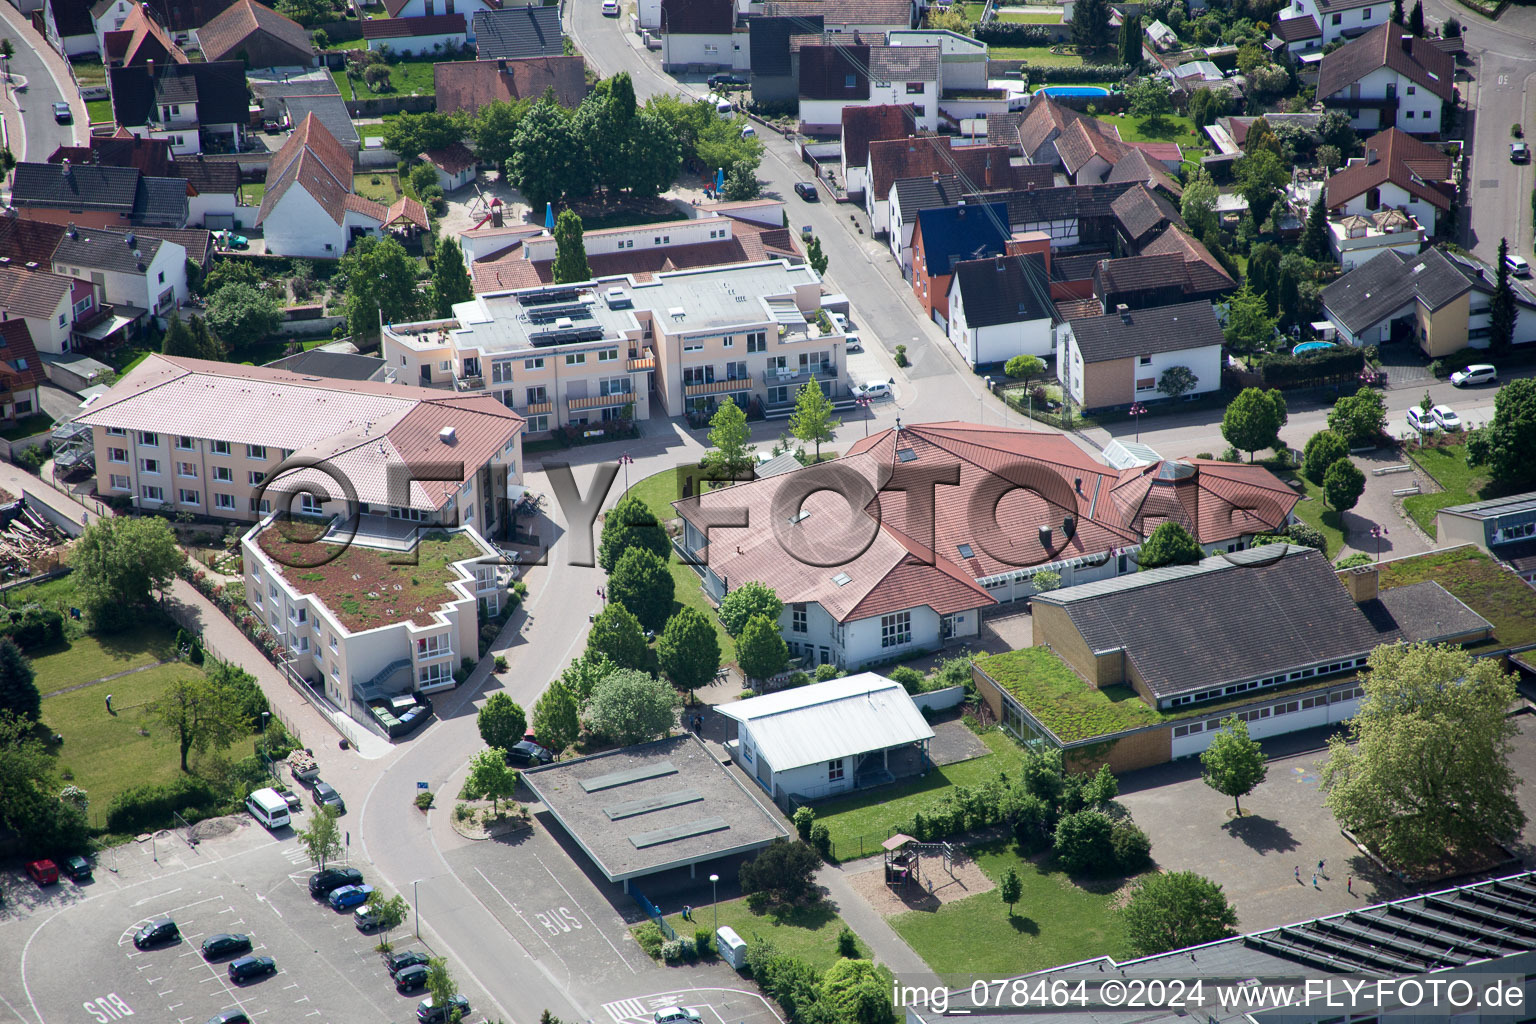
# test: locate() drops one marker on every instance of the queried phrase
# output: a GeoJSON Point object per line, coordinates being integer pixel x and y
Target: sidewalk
{"type": "Point", "coordinates": [888, 947]}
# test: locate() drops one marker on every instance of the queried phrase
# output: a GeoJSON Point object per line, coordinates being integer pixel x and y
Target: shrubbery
{"type": "Point", "coordinates": [148, 807]}
{"type": "Point", "coordinates": [33, 627]}
{"type": "Point", "coordinates": [1283, 370]}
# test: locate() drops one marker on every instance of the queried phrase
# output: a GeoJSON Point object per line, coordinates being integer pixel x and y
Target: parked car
{"type": "Point", "coordinates": [412, 978]}
{"type": "Point", "coordinates": [807, 190]}
{"type": "Point", "coordinates": [43, 872]}
{"type": "Point", "coordinates": [852, 343]}
{"type": "Point", "coordinates": [230, 1017]}
{"type": "Point", "coordinates": [324, 794]}
{"type": "Point", "coordinates": [611, 8]}
{"type": "Point", "coordinates": [325, 882]}
{"type": "Point", "coordinates": [160, 930]}
{"type": "Point", "coordinates": [225, 944]}
{"type": "Point", "coordinates": [1446, 417]}
{"type": "Point", "coordinates": [1422, 421]}
{"type": "Point", "coordinates": [839, 321]}
{"type": "Point", "coordinates": [529, 753]}
{"type": "Point", "coordinates": [78, 868]}
{"type": "Point", "coordinates": [349, 896]}
{"type": "Point", "coordinates": [428, 1013]}
{"type": "Point", "coordinates": [397, 962]}
{"type": "Point", "coordinates": [718, 82]}
{"type": "Point", "coordinates": [365, 918]}
{"type": "Point", "coordinates": [248, 967]}
{"type": "Point", "coordinates": [873, 389]}
{"type": "Point", "coordinates": [1477, 373]}
{"type": "Point", "coordinates": [675, 1015]}
{"type": "Point", "coordinates": [1519, 152]}
{"type": "Point", "coordinates": [1517, 265]}
{"type": "Point", "coordinates": [62, 113]}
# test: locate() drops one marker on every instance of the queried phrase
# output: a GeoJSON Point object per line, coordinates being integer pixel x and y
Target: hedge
{"type": "Point", "coordinates": [33, 627]}
{"type": "Point", "coordinates": [1080, 73]}
{"type": "Point", "coordinates": [1013, 33]}
{"type": "Point", "coordinates": [143, 808]}
{"type": "Point", "coordinates": [1283, 370]}
{"type": "Point", "coordinates": [1447, 365]}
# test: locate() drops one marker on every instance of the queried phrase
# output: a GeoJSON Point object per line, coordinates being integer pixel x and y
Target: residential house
{"type": "Point", "coordinates": [309, 208]}
{"type": "Point", "coordinates": [140, 40]}
{"type": "Point", "coordinates": [1331, 20]}
{"type": "Point", "coordinates": [1439, 299]}
{"type": "Point", "coordinates": [109, 16]}
{"type": "Point", "coordinates": [1117, 359]}
{"type": "Point", "coordinates": [516, 32]}
{"type": "Point", "coordinates": [198, 242]}
{"type": "Point", "coordinates": [1204, 274]}
{"type": "Point", "coordinates": [470, 84]}
{"type": "Point", "coordinates": [455, 165]}
{"type": "Point", "coordinates": [213, 191]}
{"type": "Point", "coordinates": [21, 371]}
{"type": "Point", "coordinates": [1141, 282]}
{"type": "Point", "coordinates": [863, 125]}
{"type": "Point", "coordinates": [258, 36]}
{"type": "Point", "coordinates": [1143, 164]}
{"type": "Point", "coordinates": [98, 195]}
{"type": "Point", "coordinates": [700, 35]}
{"type": "Point", "coordinates": [873, 17]}
{"type": "Point", "coordinates": [1357, 239]}
{"type": "Point", "coordinates": [909, 196]}
{"type": "Point", "coordinates": [1043, 123]}
{"type": "Point", "coordinates": [1397, 172]}
{"type": "Point", "coordinates": [1503, 527]}
{"type": "Point", "coordinates": [835, 75]}
{"type": "Point", "coordinates": [124, 149]}
{"type": "Point", "coordinates": [429, 8]}
{"type": "Point", "coordinates": [921, 156]}
{"type": "Point", "coordinates": [318, 362]}
{"type": "Point", "coordinates": [1001, 307]}
{"type": "Point", "coordinates": [183, 18]}
{"type": "Point", "coordinates": [69, 28]}
{"type": "Point", "coordinates": [1297, 35]}
{"type": "Point", "coordinates": [1140, 215]}
{"type": "Point", "coordinates": [1088, 150]}
{"type": "Point", "coordinates": [1388, 78]}
{"type": "Point", "coordinates": [330, 110]}
{"type": "Point", "coordinates": [125, 268]}
{"type": "Point", "coordinates": [775, 74]}
{"type": "Point", "coordinates": [445, 34]}
{"type": "Point", "coordinates": [1072, 216]}
{"type": "Point", "coordinates": [183, 103]}
{"type": "Point", "coordinates": [812, 742]}
{"type": "Point", "coordinates": [945, 236]}
{"type": "Point", "coordinates": [50, 304]}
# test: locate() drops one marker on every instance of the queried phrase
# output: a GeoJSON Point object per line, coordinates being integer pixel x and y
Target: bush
{"type": "Point", "coordinates": [702, 941]}
{"type": "Point", "coordinates": [803, 818]}
{"type": "Point", "coordinates": [1084, 842]}
{"type": "Point", "coordinates": [1307, 536]}
{"type": "Point", "coordinates": [827, 673]}
{"type": "Point", "coordinates": [821, 839]}
{"type": "Point", "coordinates": [1032, 823]}
{"type": "Point", "coordinates": [1133, 850]}
{"type": "Point", "coordinates": [672, 951]}
{"type": "Point", "coordinates": [1351, 561]}
{"type": "Point", "coordinates": [1283, 370]}
{"type": "Point", "coordinates": [148, 807]}
{"type": "Point", "coordinates": [424, 800]}
{"type": "Point", "coordinates": [33, 627]}
{"type": "Point", "coordinates": [847, 944]}
{"type": "Point", "coordinates": [689, 950]}
{"type": "Point", "coordinates": [1076, 73]}
{"type": "Point", "coordinates": [1012, 33]}
{"type": "Point", "coordinates": [501, 663]}
{"type": "Point", "coordinates": [797, 679]}
{"type": "Point", "coordinates": [910, 678]}
{"type": "Point", "coordinates": [901, 355]}
{"type": "Point", "coordinates": [648, 935]}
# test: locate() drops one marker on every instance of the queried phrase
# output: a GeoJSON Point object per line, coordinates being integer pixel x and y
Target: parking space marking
{"type": "Point", "coordinates": [624, 959]}
{"type": "Point", "coordinates": [525, 921]}
{"type": "Point", "coordinates": [151, 899]}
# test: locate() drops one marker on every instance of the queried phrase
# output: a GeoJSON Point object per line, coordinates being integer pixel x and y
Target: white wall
{"type": "Point", "coordinates": [47, 335]}
{"type": "Point", "coordinates": [449, 182]}
{"type": "Point", "coordinates": [421, 46]}
{"type": "Point", "coordinates": [1353, 22]}
{"type": "Point", "coordinates": [830, 112]}
{"type": "Point", "coordinates": [715, 50]}
{"type": "Point", "coordinates": [1205, 362]}
{"type": "Point", "coordinates": [1272, 725]}
{"type": "Point", "coordinates": [110, 21]}
{"type": "Point", "coordinates": [997, 343]}
{"type": "Point", "coordinates": [142, 288]}
{"type": "Point", "coordinates": [1395, 197]}
{"type": "Point", "coordinates": [1417, 113]}
{"type": "Point", "coordinates": [299, 226]}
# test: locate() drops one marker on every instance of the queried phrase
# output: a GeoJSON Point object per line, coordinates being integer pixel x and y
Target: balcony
{"type": "Point", "coordinates": [94, 317]}
{"type": "Point", "coordinates": [645, 362]}
{"type": "Point", "coordinates": [536, 408]}
{"type": "Point", "coordinates": [600, 401]}
{"type": "Point", "coordinates": [475, 383]}
{"type": "Point", "coordinates": [838, 391]}
{"type": "Point", "coordinates": [433, 653]}
{"type": "Point", "coordinates": [726, 385]}
{"type": "Point", "coordinates": [799, 375]}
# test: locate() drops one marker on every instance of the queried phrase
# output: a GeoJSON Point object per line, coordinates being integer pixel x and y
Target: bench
{"type": "Point", "coordinates": [1405, 491]}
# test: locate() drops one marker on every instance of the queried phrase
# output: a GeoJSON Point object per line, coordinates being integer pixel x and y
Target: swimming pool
{"type": "Point", "coordinates": [1073, 90]}
{"type": "Point", "coordinates": [1310, 346]}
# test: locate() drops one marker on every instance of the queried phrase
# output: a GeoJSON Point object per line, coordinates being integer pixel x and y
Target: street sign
{"type": "Point", "coordinates": [421, 785]}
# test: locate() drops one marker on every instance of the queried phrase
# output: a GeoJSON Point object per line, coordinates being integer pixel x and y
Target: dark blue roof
{"type": "Point", "coordinates": [964, 232]}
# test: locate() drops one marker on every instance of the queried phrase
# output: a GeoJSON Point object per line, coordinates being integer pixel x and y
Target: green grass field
{"type": "Point", "coordinates": [406, 78]}
{"type": "Point", "coordinates": [1172, 129]}
{"type": "Point", "coordinates": [91, 657]}
{"type": "Point", "coordinates": [1448, 465]}
{"type": "Point", "coordinates": [27, 426]}
{"type": "Point", "coordinates": [386, 191]}
{"type": "Point", "coordinates": [1312, 511]}
{"type": "Point", "coordinates": [99, 111]}
{"type": "Point", "coordinates": [1055, 922]}
{"type": "Point", "coordinates": [1040, 56]}
{"type": "Point", "coordinates": [1027, 17]}
{"type": "Point", "coordinates": [806, 933]}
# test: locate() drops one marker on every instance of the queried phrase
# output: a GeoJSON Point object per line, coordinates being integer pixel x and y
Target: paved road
{"type": "Point", "coordinates": [47, 82]}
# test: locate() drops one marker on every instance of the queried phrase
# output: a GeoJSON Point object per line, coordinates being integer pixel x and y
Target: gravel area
{"type": "Point", "coordinates": [937, 888]}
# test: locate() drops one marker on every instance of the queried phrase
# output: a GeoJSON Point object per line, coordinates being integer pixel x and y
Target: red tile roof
{"type": "Point", "coordinates": [451, 159]}
{"type": "Point", "coordinates": [224, 36]}
{"type": "Point", "coordinates": [1416, 167]}
{"type": "Point", "coordinates": [863, 125]}
{"type": "Point", "coordinates": [920, 156]}
{"type": "Point", "coordinates": [404, 28]}
{"type": "Point", "coordinates": [29, 241]}
{"type": "Point", "coordinates": [317, 163]}
{"type": "Point", "coordinates": [140, 40]}
{"type": "Point", "coordinates": [1045, 120]}
{"type": "Point", "coordinates": [1206, 274]}
{"type": "Point", "coordinates": [20, 367]}
{"type": "Point", "coordinates": [407, 210]}
{"type": "Point", "coordinates": [1086, 138]}
{"type": "Point", "coordinates": [1388, 46]}
{"type": "Point", "coordinates": [470, 84]}
{"type": "Point", "coordinates": [1215, 501]}
{"type": "Point", "coordinates": [151, 156]}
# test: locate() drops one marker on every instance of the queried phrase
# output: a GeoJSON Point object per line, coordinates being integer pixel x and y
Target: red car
{"type": "Point", "coordinates": [44, 872]}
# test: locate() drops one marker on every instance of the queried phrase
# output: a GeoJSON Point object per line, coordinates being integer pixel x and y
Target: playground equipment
{"type": "Point", "coordinates": [903, 859]}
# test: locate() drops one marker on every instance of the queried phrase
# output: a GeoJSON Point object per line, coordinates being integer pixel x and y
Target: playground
{"type": "Point", "coordinates": [919, 876]}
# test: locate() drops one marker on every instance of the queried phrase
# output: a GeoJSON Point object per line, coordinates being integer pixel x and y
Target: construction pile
{"type": "Point", "coordinates": [29, 544]}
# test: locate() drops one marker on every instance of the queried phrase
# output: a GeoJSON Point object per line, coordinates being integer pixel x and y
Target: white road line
{"type": "Point", "coordinates": [588, 916]}
{"type": "Point", "coordinates": [623, 1009]}
{"type": "Point", "coordinates": [149, 899]}
{"type": "Point", "coordinates": [14, 1012]}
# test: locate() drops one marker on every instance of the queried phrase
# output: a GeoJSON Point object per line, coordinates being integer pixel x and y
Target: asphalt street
{"type": "Point", "coordinates": [47, 83]}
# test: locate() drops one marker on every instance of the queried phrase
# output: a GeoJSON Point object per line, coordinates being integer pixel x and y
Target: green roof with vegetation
{"type": "Point", "coordinates": [1061, 700]}
{"type": "Point", "coordinates": [1495, 593]}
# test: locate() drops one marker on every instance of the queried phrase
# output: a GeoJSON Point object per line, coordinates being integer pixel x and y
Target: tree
{"type": "Point", "coordinates": [322, 840]}
{"type": "Point", "coordinates": [583, 674]}
{"type": "Point", "coordinates": [855, 992]}
{"type": "Point", "coordinates": [1260, 176]}
{"type": "Point", "coordinates": [556, 717]}
{"type": "Point", "coordinates": [120, 562]}
{"type": "Point", "coordinates": [1249, 328]}
{"type": "Point", "coordinates": [1264, 273]}
{"type": "Point", "coordinates": [570, 250]}
{"type": "Point", "coordinates": [492, 129]}
{"type": "Point", "coordinates": [1505, 444]}
{"type": "Point", "coordinates": [949, 19]}
{"type": "Point", "coordinates": [242, 315]}
{"type": "Point", "coordinates": [642, 583]}
{"type": "Point", "coordinates": [501, 721]}
{"type": "Point", "coordinates": [760, 649]}
{"type": "Point", "coordinates": [630, 706]}
{"type": "Point", "coordinates": [549, 159]}
{"type": "Point", "coordinates": [1023, 367]}
{"type": "Point", "coordinates": [1253, 420]}
{"type": "Point", "coordinates": [689, 650]}
{"type": "Point", "coordinates": [742, 184]}
{"type": "Point", "coordinates": [489, 776]}
{"type": "Point", "coordinates": [1451, 28]}
{"type": "Point", "coordinates": [450, 281]}
{"type": "Point", "coordinates": [305, 12]}
{"type": "Point", "coordinates": [1397, 13]}
{"type": "Point", "coordinates": [441, 987]}
{"type": "Point", "coordinates": [630, 524]}
{"type": "Point", "coordinates": [1261, 135]}
{"type": "Point", "coordinates": [1233, 764]}
{"type": "Point", "coordinates": [1343, 483]}
{"type": "Point", "coordinates": [1176, 909]}
{"type": "Point", "coordinates": [653, 157]}
{"type": "Point", "coordinates": [380, 281]}
{"type": "Point", "coordinates": [1130, 40]}
{"type": "Point", "coordinates": [1090, 23]}
{"type": "Point", "coordinates": [1206, 105]}
{"type": "Point", "coordinates": [1424, 769]}
{"type": "Point", "coordinates": [1323, 449]}
{"type": "Point", "coordinates": [1416, 19]}
{"type": "Point", "coordinates": [1082, 842]}
{"type": "Point", "coordinates": [1176, 381]}
{"type": "Point", "coordinates": [617, 636]}
{"type": "Point", "coordinates": [1198, 204]}
{"type": "Point", "coordinates": [1010, 888]}
{"type": "Point", "coordinates": [182, 340]}
{"type": "Point", "coordinates": [410, 135]}
{"type": "Point", "coordinates": [784, 871]}
{"type": "Point", "coordinates": [377, 77]}
{"type": "Point", "coordinates": [1151, 100]}
{"type": "Point", "coordinates": [815, 257]}
{"type": "Point", "coordinates": [812, 419]}
{"type": "Point", "coordinates": [200, 714]}
{"type": "Point", "coordinates": [1361, 418]}
{"type": "Point", "coordinates": [18, 690]}
{"type": "Point", "coordinates": [732, 456]}
{"type": "Point", "coordinates": [747, 601]}
{"type": "Point", "coordinates": [1335, 129]}
{"type": "Point", "coordinates": [1314, 238]}
{"type": "Point", "coordinates": [388, 914]}
{"type": "Point", "coordinates": [1169, 544]}
{"type": "Point", "coordinates": [1502, 311]}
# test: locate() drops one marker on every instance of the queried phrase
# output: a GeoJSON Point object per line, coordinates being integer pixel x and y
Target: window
{"type": "Point", "coordinates": [445, 365]}
{"type": "Point", "coordinates": [575, 358]}
{"type": "Point", "coordinates": [615, 386]}
{"type": "Point", "coordinates": [538, 395]}
{"type": "Point", "coordinates": [501, 371]}
{"type": "Point", "coordinates": [849, 81]}
{"type": "Point", "coordinates": [835, 769]}
{"type": "Point", "coordinates": [331, 639]}
{"type": "Point", "coordinates": [797, 617]}
{"type": "Point", "coordinates": [697, 345]}
{"type": "Point", "coordinates": [711, 48]}
{"type": "Point", "coordinates": [224, 501]}
{"type": "Point", "coordinates": [223, 475]}
{"type": "Point", "coordinates": [116, 432]}
{"type": "Point", "coordinates": [1338, 19]}
{"type": "Point", "coordinates": [149, 439]}
{"type": "Point", "coordinates": [187, 469]}
{"type": "Point", "coordinates": [1412, 89]}
{"type": "Point", "coordinates": [608, 355]}
{"type": "Point", "coordinates": [538, 424]}
{"type": "Point", "coordinates": [914, 88]}
{"type": "Point", "coordinates": [117, 455]}
{"type": "Point", "coordinates": [1408, 114]}
{"type": "Point", "coordinates": [152, 494]}
{"type": "Point", "coordinates": [186, 444]}
{"type": "Point", "coordinates": [1365, 15]}
{"type": "Point", "coordinates": [162, 277]}
{"type": "Point", "coordinates": [261, 505]}
{"type": "Point", "coordinates": [62, 318]}
{"type": "Point", "coordinates": [534, 364]}
{"type": "Point", "coordinates": [119, 483]}
{"type": "Point", "coordinates": [149, 466]}
{"type": "Point", "coordinates": [189, 497]}
{"type": "Point", "coordinates": [432, 646]}
{"type": "Point", "coordinates": [1146, 383]}
{"type": "Point", "coordinates": [310, 505]}
{"type": "Point", "coordinates": [255, 477]}
{"type": "Point", "coordinates": [437, 672]}
{"type": "Point", "coordinates": [757, 341]}
{"type": "Point", "coordinates": [896, 630]}
{"type": "Point", "coordinates": [219, 447]}
{"type": "Point", "coordinates": [1143, 360]}
{"type": "Point", "coordinates": [256, 451]}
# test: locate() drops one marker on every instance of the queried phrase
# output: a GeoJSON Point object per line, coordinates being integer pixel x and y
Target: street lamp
{"type": "Point", "coordinates": [416, 906]}
{"type": "Point", "coordinates": [626, 460]}
{"type": "Point", "coordinates": [265, 715]}
{"type": "Point", "coordinates": [1378, 532]}
{"type": "Point", "coordinates": [863, 403]}
{"type": "Point", "coordinates": [714, 898]}
{"type": "Point", "coordinates": [1136, 410]}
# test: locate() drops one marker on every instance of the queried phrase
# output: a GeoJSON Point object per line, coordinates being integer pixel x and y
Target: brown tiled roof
{"type": "Point", "coordinates": [1044, 117]}
{"type": "Point", "coordinates": [187, 15]}
{"type": "Point", "coordinates": [451, 159]}
{"type": "Point", "coordinates": [1003, 129]}
{"type": "Point", "coordinates": [29, 241]}
{"type": "Point", "coordinates": [1036, 176]}
{"type": "Point", "coordinates": [1137, 273]}
{"type": "Point", "coordinates": [1294, 30]}
{"type": "Point", "coordinates": [1206, 274]}
{"type": "Point", "coordinates": [1388, 46]}
{"type": "Point", "coordinates": [140, 40]}
{"type": "Point", "coordinates": [404, 28]}
{"type": "Point", "coordinates": [1078, 309]}
{"type": "Point", "coordinates": [36, 293]}
{"type": "Point", "coordinates": [408, 210]}
{"type": "Point", "coordinates": [1138, 165]}
{"type": "Point", "coordinates": [1084, 139]}
{"type": "Point", "coordinates": [1419, 169]}
{"type": "Point", "coordinates": [20, 367]}
{"type": "Point", "coordinates": [893, 13]}
{"type": "Point", "coordinates": [365, 206]}
{"type": "Point", "coordinates": [471, 84]}
{"type": "Point", "coordinates": [197, 241]}
{"type": "Point", "coordinates": [918, 156]}
{"type": "Point", "coordinates": [863, 125]}
{"type": "Point", "coordinates": [317, 163]}
{"type": "Point", "coordinates": [1215, 501]}
{"type": "Point", "coordinates": [1140, 210]}
{"type": "Point", "coordinates": [151, 156]}
{"type": "Point", "coordinates": [208, 177]}
{"type": "Point", "coordinates": [698, 17]}
{"type": "Point", "coordinates": [224, 36]}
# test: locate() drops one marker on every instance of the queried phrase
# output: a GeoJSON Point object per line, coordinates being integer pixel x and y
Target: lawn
{"type": "Point", "coordinates": [1028, 18]}
{"type": "Point", "coordinates": [1496, 594]}
{"type": "Point", "coordinates": [1055, 922]}
{"type": "Point", "coordinates": [89, 72]}
{"type": "Point", "coordinates": [386, 191]}
{"type": "Point", "coordinates": [1061, 700]}
{"type": "Point", "coordinates": [806, 933]}
{"type": "Point", "coordinates": [406, 78]}
{"type": "Point", "coordinates": [91, 656]}
{"type": "Point", "coordinates": [27, 426]}
{"type": "Point", "coordinates": [1312, 511]}
{"type": "Point", "coordinates": [345, 44]}
{"type": "Point", "coordinates": [252, 192]}
{"type": "Point", "coordinates": [99, 111]}
{"type": "Point", "coordinates": [870, 816]}
{"type": "Point", "coordinates": [972, 12]}
{"type": "Point", "coordinates": [1461, 483]}
{"type": "Point", "coordinates": [1040, 56]}
{"type": "Point", "coordinates": [1173, 128]}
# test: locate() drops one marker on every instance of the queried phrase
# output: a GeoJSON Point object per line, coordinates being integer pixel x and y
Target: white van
{"type": "Point", "coordinates": [268, 807]}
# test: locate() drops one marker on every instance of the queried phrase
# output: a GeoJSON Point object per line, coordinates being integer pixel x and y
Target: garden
{"type": "Point", "coordinates": [1460, 483]}
{"type": "Point", "coordinates": [1491, 591]}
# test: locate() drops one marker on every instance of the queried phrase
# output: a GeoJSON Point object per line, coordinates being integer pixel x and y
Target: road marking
{"type": "Point", "coordinates": [149, 899]}
{"type": "Point", "coordinates": [623, 1009]}
{"type": "Point", "coordinates": [588, 916]}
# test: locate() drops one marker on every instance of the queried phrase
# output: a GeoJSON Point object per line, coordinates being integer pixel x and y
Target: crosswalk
{"type": "Point", "coordinates": [626, 1011]}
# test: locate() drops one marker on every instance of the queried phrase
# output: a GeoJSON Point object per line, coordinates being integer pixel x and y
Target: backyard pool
{"type": "Point", "coordinates": [1311, 346]}
{"type": "Point", "coordinates": [1073, 90]}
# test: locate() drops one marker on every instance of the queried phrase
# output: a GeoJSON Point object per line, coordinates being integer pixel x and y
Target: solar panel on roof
{"type": "Point", "coordinates": [624, 778]}
{"type": "Point", "coordinates": [672, 833]}
{"type": "Point", "coordinates": [630, 808]}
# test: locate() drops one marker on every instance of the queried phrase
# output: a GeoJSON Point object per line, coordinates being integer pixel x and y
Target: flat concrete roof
{"type": "Point", "coordinates": [646, 809]}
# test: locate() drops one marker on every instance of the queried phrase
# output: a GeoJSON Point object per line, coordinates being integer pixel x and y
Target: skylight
{"type": "Point", "coordinates": [966, 552]}
{"type": "Point", "coordinates": [842, 579]}
{"type": "Point", "coordinates": [906, 455]}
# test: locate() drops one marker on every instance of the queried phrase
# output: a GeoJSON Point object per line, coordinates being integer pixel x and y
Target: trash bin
{"type": "Point", "coordinates": [731, 948]}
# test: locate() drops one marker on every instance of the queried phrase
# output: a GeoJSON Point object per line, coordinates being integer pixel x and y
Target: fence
{"type": "Point", "coordinates": [650, 911]}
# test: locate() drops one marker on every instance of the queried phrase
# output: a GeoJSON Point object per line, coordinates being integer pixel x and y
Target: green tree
{"type": "Point", "coordinates": [732, 456]}
{"type": "Point", "coordinates": [1416, 19]}
{"type": "Point", "coordinates": [1151, 100]}
{"type": "Point", "coordinates": [1335, 129]}
{"type": "Point", "coordinates": [305, 12]}
{"type": "Point", "coordinates": [812, 419]}
{"type": "Point", "coordinates": [1130, 40]}
{"type": "Point", "coordinates": [653, 158]}
{"type": "Point", "coordinates": [490, 777]}
{"type": "Point", "coordinates": [784, 871]}
{"type": "Point", "coordinates": [242, 316]}
{"type": "Point", "coordinates": [1023, 367]}
{"type": "Point", "coordinates": [1249, 328]}
{"type": "Point", "coordinates": [689, 650]}
{"type": "Point", "coordinates": [121, 562]}
{"type": "Point", "coordinates": [1169, 544]}
{"type": "Point", "coordinates": [570, 250]}
{"type": "Point", "coordinates": [1206, 105]}
{"type": "Point", "coordinates": [582, 675]}
{"type": "Point", "coordinates": [616, 635]}
{"type": "Point", "coordinates": [380, 282]}
{"type": "Point", "coordinates": [642, 583]}
{"type": "Point", "coordinates": [18, 689]}
{"type": "Point", "coordinates": [501, 721]}
{"type": "Point", "coordinates": [742, 184]}
{"type": "Point", "coordinates": [190, 339]}
{"type": "Point", "coordinates": [1233, 764]}
{"type": "Point", "coordinates": [748, 600]}
{"type": "Point", "coordinates": [1260, 178]}
{"type": "Point", "coordinates": [1082, 842]}
{"type": "Point", "coordinates": [1505, 445]}
{"type": "Point", "coordinates": [760, 649]}
{"type": "Point", "coordinates": [556, 717]}
{"type": "Point", "coordinates": [1397, 13]}
{"type": "Point", "coordinates": [604, 122]}
{"type": "Point", "coordinates": [630, 706]}
{"type": "Point", "coordinates": [450, 281]}
{"type": "Point", "coordinates": [410, 135]}
{"type": "Point", "coordinates": [549, 159]}
{"type": "Point", "coordinates": [1198, 204]}
{"type": "Point", "coordinates": [1010, 888]}
{"type": "Point", "coordinates": [949, 19]}
{"type": "Point", "coordinates": [1176, 381]}
{"type": "Point", "coordinates": [1253, 420]}
{"type": "Point", "coordinates": [1424, 768]}
{"type": "Point", "coordinates": [1261, 135]}
{"type": "Point", "coordinates": [322, 840]}
{"type": "Point", "coordinates": [1343, 483]}
{"type": "Point", "coordinates": [855, 992]}
{"type": "Point", "coordinates": [630, 524]}
{"type": "Point", "coordinates": [441, 988]}
{"type": "Point", "coordinates": [1177, 909]}
{"type": "Point", "coordinates": [1361, 418]}
{"type": "Point", "coordinates": [1314, 238]}
{"type": "Point", "coordinates": [1090, 23]}
{"type": "Point", "coordinates": [377, 77]}
{"type": "Point", "coordinates": [1323, 449]}
{"type": "Point", "coordinates": [1502, 312]}
{"type": "Point", "coordinates": [389, 913]}
{"type": "Point", "coordinates": [494, 125]}
{"type": "Point", "coordinates": [201, 715]}
{"type": "Point", "coordinates": [815, 257]}
{"type": "Point", "coordinates": [1264, 273]}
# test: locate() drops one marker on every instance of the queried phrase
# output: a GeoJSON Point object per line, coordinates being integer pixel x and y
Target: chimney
{"type": "Point", "coordinates": [131, 239]}
{"type": "Point", "coordinates": [1069, 527]}
{"type": "Point", "coordinates": [935, 177]}
{"type": "Point", "coordinates": [73, 232]}
{"type": "Point", "coordinates": [448, 435]}
{"type": "Point", "coordinates": [1077, 483]}
{"type": "Point", "coordinates": [1000, 265]}
{"type": "Point", "coordinates": [1362, 583]}
{"type": "Point", "coordinates": [1371, 156]}
{"type": "Point", "coordinates": [66, 167]}
{"type": "Point", "coordinates": [1125, 313]}
{"type": "Point", "coordinates": [1045, 536]}
{"type": "Point", "coordinates": [1407, 42]}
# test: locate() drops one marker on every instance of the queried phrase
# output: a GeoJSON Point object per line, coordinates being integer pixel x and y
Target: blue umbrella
{"type": "Point", "coordinates": [549, 216]}
{"type": "Point", "coordinates": [720, 179]}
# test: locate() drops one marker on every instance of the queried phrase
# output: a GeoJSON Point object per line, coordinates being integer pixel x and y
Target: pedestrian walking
{"type": "Point", "coordinates": [1349, 885]}
{"type": "Point", "coordinates": [687, 913]}
{"type": "Point", "coordinates": [1320, 868]}
{"type": "Point", "coordinates": [1314, 880]}
{"type": "Point", "coordinates": [1298, 872]}
{"type": "Point", "coordinates": [109, 705]}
